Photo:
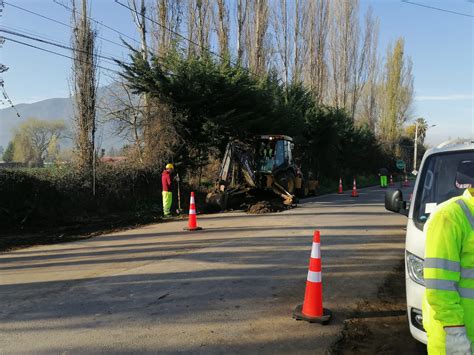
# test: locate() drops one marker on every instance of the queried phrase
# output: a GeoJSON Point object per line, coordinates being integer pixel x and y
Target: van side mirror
{"type": "Point", "coordinates": [394, 202]}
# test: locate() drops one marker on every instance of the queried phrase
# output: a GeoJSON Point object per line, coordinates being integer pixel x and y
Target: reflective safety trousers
{"type": "Point", "coordinates": [167, 200]}
{"type": "Point", "coordinates": [449, 270]}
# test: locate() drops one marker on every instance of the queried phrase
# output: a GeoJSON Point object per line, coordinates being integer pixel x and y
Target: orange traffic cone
{"type": "Point", "coordinates": [406, 183]}
{"type": "Point", "coordinates": [340, 187]}
{"type": "Point", "coordinates": [192, 223]}
{"type": "Point", "coordinates": [354, 189]}
{"type": "Point", "coordinates": [391, 180]}
{"type": "Point", "coordinates": [312, 308]}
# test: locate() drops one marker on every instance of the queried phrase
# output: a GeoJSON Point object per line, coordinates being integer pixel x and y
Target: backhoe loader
{"type": "Point", "coordinates": [263, 166]}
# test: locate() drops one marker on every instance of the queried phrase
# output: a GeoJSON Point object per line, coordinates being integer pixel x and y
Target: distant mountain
{"type": "Point", "coordinates": [51, 109]}
{"type": "Point", "coordinates": [55, 109]}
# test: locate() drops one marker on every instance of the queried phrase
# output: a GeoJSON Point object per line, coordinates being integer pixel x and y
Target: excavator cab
{"type": "Point", "coordinates": [275, 162]}
{"type": "Point", "coordinates": [274, 153]}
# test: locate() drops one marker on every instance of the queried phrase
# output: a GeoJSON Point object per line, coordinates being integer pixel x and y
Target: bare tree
{"type": "Point", "coordinates": [315, 72]}
{"type": "Point", "coordinates": [126, 111]}
{"type": "Point", "coordinates": [203, 23]}
{"type": "Point", "coordinates": [139, 17]}
{"type": "Point", "coordinates": [300, 45]}
{"type": "Point", "coordinates": [342, 49]}
{"type": "Point", "coordinates": [168, 15]}
{"type": "Point", "coordinates": [222, 25]}
{"type": "Point", "coordinates": [191, 26]}
{"type": "Point", "coordinates": [281, 28]}
{"type": "Point", "coordinates": [364, 60]}
{"type": "Point", "coordinates": [256, 36]}
{"type": "Point", "coordinates": [199, 26]}
{"type": "Point", "coordinates": [370, 96]}
{"type": "Point", "coordinates": [84, 77]}
{"type": "Point", "coordinates": [351, 55]}
{"type": "Point", "coordinates": [242, 14]}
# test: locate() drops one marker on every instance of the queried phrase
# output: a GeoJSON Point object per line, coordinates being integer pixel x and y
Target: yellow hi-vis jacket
{"type": "Point", "coordinates": [449, 270]}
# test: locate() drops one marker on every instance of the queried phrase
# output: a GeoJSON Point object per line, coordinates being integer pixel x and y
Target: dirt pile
{"type": "Point", "coordinates": [262, 207]}
{"type": "Point", "coordinates": [380, 324]}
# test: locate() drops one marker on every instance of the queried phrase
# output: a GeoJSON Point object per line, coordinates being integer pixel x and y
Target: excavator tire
{"type": "Point", "coordinates": [291, 182]}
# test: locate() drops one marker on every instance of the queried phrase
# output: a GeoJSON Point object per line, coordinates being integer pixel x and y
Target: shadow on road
{"type": "Point", "coordinates": [220, 275]}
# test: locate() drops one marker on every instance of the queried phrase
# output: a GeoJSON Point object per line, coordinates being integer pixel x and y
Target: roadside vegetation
{"type": "Point", "coordinates": [307, 69]}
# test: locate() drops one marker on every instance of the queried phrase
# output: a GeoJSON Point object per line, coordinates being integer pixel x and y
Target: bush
{"type": "Point", "coordinates": [42, 197]}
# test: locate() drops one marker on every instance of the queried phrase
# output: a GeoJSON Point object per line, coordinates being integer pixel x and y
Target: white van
{"type": "Point", "coordinates": [438, 181]}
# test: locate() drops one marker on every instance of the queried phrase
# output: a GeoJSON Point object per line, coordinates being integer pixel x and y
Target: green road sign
{"type": "Point", "coordinates": [400, 164]}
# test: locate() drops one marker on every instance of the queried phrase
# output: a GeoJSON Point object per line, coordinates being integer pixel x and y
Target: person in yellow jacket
{"type": "Point", "coordinates": [448, 304]}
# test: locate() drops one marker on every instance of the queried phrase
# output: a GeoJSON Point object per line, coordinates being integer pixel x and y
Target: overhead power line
{"type": "Point", "coordinates": [60, 22]}
{"type": "Point", "coordinates": [97, 21]}
{"type": "Point", "coordinates": [56, 53]}
{"type": "Point", "coordinates": [437, 8]}
{"type": "Point", "coordinates": [109, 59]}
{"type": "Point", "coordinates": [28, 32]}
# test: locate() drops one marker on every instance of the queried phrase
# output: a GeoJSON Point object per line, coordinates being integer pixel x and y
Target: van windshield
{"type": "Point", "coordinates": [438, 183]}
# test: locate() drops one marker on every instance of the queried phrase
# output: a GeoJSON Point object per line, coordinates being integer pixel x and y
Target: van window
{"type": "Point", "coordinates": [438, 183]}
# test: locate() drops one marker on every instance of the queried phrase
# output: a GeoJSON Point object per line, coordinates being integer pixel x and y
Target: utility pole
{"type": "Point", "coordinates": [416, 145]}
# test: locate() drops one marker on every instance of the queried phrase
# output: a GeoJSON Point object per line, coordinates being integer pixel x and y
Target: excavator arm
{"type": "Point", "coordinates": [238, 166]}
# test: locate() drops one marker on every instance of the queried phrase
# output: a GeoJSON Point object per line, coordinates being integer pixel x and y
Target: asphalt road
{"type": "Point", "coordinates": [229, 288]}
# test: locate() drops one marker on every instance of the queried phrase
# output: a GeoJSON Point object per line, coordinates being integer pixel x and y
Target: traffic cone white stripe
{"type": "Point", "coordinates": [192, 220]}
{"type": "Point", "coordinates": [315, 251]}
{"type": "Point", "coordinates": [314, 276]}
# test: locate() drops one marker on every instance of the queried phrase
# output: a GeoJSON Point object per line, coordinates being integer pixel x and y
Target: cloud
{"type": "Point", "coordinates": [454, 97]}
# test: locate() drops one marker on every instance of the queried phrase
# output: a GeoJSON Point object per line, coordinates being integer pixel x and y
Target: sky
{"type": "Point", "coordinates": [440, 44]}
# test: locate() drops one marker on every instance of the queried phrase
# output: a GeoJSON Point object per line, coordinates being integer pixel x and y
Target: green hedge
{"type": "Point", "coordinates": [53, 196]}
{"type": "Point", "coordinates": [61, 196]}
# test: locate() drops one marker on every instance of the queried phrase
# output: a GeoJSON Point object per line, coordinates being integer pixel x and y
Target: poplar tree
{"type": "Point", "coordinates": [84, 78]}
{"type": "Point", "coordinates": [222, 25]}
{"type": "Point", "coordinates": [397, 91]}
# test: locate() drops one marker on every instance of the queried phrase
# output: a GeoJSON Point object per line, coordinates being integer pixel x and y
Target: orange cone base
{"type": "Point", "coordinates": [324, 319]}
{"type": "Point", "coordinates": [340, 192]}
{"type": "Point", "coordinates": [355, 195]}
{"type": "Point", "coordinates": [193, 229]}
